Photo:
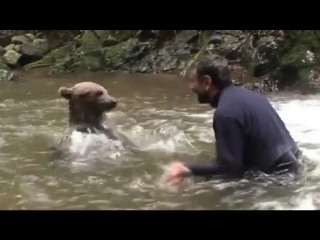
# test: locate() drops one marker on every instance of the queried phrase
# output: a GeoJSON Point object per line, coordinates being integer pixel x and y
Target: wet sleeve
{"type": "Point", "coordinates": [230, 145]}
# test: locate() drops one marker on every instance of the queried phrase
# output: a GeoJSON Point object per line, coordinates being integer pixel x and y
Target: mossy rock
{"type": "Point", "coordinates": [89, 40]}
{"type": "Point", "coordinates": [117, 55]}
{"type": "Point", "coordinates": [3, 65]}
{"type": "Point", "coordinates": [11, 57]}
{"type": "Point", "coordinates": [107, 38]}
{"type": "Point", "coordinates": [90, 60]}
{"type": "Point", "coordinates": [60, 53]}
{"type": "Point", "coordinates": [61, 59]}
{"type": "Point", "coordinates": [122, 35]}
{"type": "Point", "coordinates": [2, 51]}
{"type": "Point", "coordinates": [9, 47]}
{"type": "Point", "coordinates": [260, 56]}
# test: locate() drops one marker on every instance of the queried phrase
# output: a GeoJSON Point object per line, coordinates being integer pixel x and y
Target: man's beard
{"type": "Point", "coordinates": [203, 97]}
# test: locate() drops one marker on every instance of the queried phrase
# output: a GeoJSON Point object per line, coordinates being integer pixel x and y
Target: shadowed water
{"type": "Point", "coordinates": [161, 115]}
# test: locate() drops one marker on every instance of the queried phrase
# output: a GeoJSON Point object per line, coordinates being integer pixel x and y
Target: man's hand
{"type": "Point", "coordinates": [177, 172]}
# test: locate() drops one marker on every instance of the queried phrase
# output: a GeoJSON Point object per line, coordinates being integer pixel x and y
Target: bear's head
{"type": "Point", "coordinates": [88, 102]}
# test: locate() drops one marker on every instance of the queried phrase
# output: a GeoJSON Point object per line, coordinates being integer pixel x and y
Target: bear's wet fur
{"type": "Point", "coordinates": [88, 104]}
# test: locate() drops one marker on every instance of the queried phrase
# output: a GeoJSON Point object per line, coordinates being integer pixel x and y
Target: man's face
{"type": "Point", "coordinates": [200, 87]}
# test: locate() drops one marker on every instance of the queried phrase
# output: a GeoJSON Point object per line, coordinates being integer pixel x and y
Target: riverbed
{"type": "Point", "coordinates": [161, 115]}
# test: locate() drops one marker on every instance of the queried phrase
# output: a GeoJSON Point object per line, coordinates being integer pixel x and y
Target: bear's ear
{"type": "Point", "coordinates": [65, 92]}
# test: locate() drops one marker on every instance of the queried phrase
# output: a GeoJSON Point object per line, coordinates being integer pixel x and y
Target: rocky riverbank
{"type": "Point", "coordinates": [260, 60]}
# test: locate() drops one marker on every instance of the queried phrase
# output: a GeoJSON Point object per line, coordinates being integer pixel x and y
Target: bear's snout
{"type": "Point", "coordinates": [113, 102]}
{"type": "Point", "coordinates": [109, 103]}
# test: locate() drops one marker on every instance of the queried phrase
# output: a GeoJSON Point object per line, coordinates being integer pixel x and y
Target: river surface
{"type": "Point", "coordinates": [161, 115]}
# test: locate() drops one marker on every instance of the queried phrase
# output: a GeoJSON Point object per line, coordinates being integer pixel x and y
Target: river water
{"type": "Point", "coordinates": [161, 115]}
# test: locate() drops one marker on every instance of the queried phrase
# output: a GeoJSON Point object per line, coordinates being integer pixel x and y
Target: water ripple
{"type": "Point", "coordinates": [105, 176]}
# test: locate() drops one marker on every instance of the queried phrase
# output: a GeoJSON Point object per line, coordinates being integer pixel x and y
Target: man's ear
{"type": "Point", "coordinates": [65, 92]}
{"type": "Point", "coordinates": [207, 81]}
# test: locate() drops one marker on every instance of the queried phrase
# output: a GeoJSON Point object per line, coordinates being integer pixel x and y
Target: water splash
{"type": "Point", "coordinates": [135, 181]}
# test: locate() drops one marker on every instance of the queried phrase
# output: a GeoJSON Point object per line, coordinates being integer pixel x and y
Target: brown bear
{"type": "Point", "coordinates": [88, 104]}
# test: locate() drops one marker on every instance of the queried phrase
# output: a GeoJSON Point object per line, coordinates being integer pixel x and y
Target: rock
{"type": "Point", "coordinates": [130, 54]}
{"type": "Point", "coordinates": [115, 56]}
{"type": "Point", "coordinates": [60, 53]}
{"type": "Point", "coordinates": [17, 48]}
{"type": "Point", "coordinates": [173, 55]}
{"type": "Point", "coordinates": [7, 76]}
{"type": "Point", "coordinates": [42, 44]}
{"type": "Point", "coordinates": [3, 65]}
{"type": "Point", "coordinates": [30, 36]}
{"type": "Point", "coordinates": [63, 66]}
{"type": "Point", "coordinates": [9, 47]}
{"type": "Point", "coordinates": [20, 39]}
{"type": "Point", "coordinates": [2, 51]}
{"type": "Point", "coordinates": [79, 61]}
{"type": "Point", "coordinates": [225, 45]}
{"type": "Point", "coordinates": [54, 57]}
{"type": "Point", "coordinates": [263, 53]}
{"type": "Point", "coordinates": [259, 55]}
{"type": "Point", "coordinates": [32, 52]}
{"type": "Point", "coordinates": [11, 57]}
{"type": "Point", "coordinates": [30, 49]}
{"type": "Point", "coordinates": [90, 41]}
{"type": "Point", "coordinates": [91, 60]}
{"type": "Point", "coordinates": [5, 37]}
{"type": "Point", "coordinates": [93, 39]}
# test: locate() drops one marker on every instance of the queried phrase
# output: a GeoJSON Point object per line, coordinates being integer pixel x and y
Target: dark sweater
{"type": "Point", "coordinates": [250, 135]}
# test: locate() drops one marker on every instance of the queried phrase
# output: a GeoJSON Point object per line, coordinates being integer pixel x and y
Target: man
{"type": "Point", "coordinates": [250, 135]}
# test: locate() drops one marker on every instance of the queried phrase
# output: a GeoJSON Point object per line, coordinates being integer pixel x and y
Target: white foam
{"type": "Point", "coordinates": [302, 118]}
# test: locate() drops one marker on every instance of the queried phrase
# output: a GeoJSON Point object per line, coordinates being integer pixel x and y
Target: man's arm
{"type": "Point", "coordinates": [230, 144]}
